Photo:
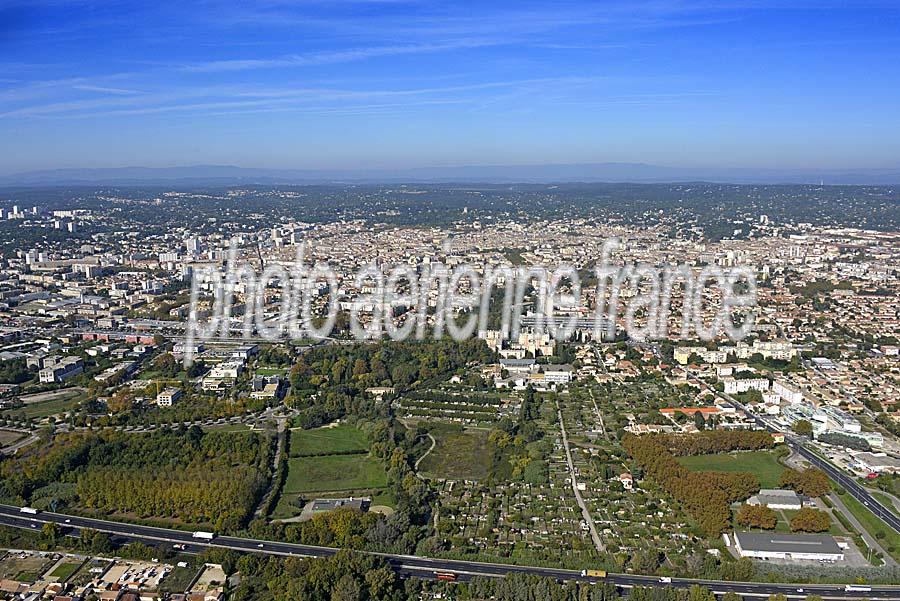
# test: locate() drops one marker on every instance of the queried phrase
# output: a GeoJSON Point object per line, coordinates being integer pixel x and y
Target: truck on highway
{"type": "Point", "coordinates": [445, 576]}
{"type": "Point", "coordinates": [29, 510]}
{"type": "Point", "coordinates": [593, 573]}
{"type": "Point", "coordinates": [204, 535]}
{"type": "Point", "coordinates": [855, 588]}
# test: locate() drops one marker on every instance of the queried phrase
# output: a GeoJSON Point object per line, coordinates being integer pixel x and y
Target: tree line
{"type": "Point", "coordinates": [707, 496]}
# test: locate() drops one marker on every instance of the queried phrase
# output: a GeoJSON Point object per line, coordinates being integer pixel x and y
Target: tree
{"type": "Point", "coordinates": [810, 520]}
{"type": "Point", "coordinates": [812, 482]}
{"type": "Point", "coordinates": [346, 589]}
{"type": "Point", "coordinates": [757, 516]}
{"type": "Point", "coordinates": [50, 531]}
{"type": "Point", "coordinates": [802, 427]}
{"type": "Point", "coordinates": [699, 421]}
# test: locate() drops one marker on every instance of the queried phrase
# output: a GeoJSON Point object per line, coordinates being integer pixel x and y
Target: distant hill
{"type": "Point", "coordinates": [583, 172]}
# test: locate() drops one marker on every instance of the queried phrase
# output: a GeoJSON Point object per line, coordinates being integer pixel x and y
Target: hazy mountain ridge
{"type": "Point", "coordinates": [576, 172]}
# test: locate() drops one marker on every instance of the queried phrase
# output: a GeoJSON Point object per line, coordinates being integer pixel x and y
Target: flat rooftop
{"type": "Point", "coordinates": [788, 543]}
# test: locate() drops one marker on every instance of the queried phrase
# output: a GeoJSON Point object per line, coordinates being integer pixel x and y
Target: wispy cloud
{"type": "Point", "coordinates": [332, 57]}
{"type": "Point", "coordinates": [105, 90]}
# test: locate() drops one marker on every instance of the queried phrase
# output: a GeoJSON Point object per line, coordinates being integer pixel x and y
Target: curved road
{"type": "Point", "coordinates": [424, 567]}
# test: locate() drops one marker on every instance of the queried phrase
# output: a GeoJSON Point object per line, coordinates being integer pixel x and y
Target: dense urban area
{"type": "Point", "coordinates": [584, 462]}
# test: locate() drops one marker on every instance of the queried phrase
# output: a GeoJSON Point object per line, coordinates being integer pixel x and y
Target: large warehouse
{"type": "Point", "coordinates": [771, 545]}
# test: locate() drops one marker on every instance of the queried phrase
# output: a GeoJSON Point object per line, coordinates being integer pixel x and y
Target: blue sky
{"type": "Point", "coordinates": [391, 83]}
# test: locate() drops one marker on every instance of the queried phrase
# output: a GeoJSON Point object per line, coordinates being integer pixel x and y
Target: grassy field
{"type": "Point", "coordinates": [337, 440]}
{"type": "Point", "coordinates": [60, 404]}
{"type": "Point", "coordinates": [178, 580]}
{"type": "Point", "coordinates": [334, 473]}
{"type": "Point", "coordinates": [458, 455]}
{"type": "Point", "coordinates": [64, 570]}
{"type": "Point", "coordinates": [885, 500]}
{"type": "Point", "coordinates": [884, 534]}
{"type": "Point", "coordinates": [763, 464]}
{"type": "Point", "coordinates": [8, 437]}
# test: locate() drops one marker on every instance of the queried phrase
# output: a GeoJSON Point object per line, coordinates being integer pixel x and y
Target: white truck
{"type": "Point", "coordinates": [204, 535]}
{"type": "Point", "coordinates": [29, 510]}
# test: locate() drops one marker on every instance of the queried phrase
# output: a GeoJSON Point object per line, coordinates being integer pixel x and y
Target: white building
{"type": "Point", "coordinates": [776, 498]}
{"type": "Point", "coordinates": [167, 397]}
{"type": "Point", "coordinates": [739, 385]}
{"type": "Point", "coordinates": [772, 545]}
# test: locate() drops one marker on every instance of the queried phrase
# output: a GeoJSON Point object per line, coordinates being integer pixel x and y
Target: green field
{"type": "Point", "coordinates": [763, 464]}
{"type": "Point", "coordinates": [64, 570]}
{"type": "Point", "coordinates": [336, 440]}
{"type": "Point", "coordinates": [886, 536]}
{"type": "Point", "coordinates": [333, 473]}
{"type": "Point", "coordinates": [61, 404]}
{"type": "Point", "coordinates": [458, 455]}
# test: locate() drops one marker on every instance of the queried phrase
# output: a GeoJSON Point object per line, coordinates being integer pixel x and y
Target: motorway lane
{"type": "Point", "coordinates": [856, 490]}
{"type": "Point", "coordinates": [852, 486]}
{"type": "Point", "coordinates": [424, 566]}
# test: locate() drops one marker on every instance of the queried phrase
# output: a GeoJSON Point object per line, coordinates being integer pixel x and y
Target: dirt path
{"type": "Point", "coordinates": [424, 455]}
{"type": "Point", "coordinates": [584, 510]}
{"type": "Point", "coordinates": [279, 443]}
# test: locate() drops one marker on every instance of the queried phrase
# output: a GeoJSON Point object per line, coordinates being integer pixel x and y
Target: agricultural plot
{"type": "Point", "coordinates": [24, 567]}
{"type": "Point", "coordinates": [639, 522]}
{"type": "Point", "coordinates": [328, 440]}
{"type": "Point", "coordinates": [467, 408]}
{"type": "Point", "coordinates": [459, 454]}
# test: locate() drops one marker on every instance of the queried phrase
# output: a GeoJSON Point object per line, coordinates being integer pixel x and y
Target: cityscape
{"type": "Point", "coordinates": [411, 301]}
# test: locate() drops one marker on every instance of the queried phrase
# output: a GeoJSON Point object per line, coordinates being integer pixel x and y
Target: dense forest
{"type": "Point", "coordinates": [187, 475]}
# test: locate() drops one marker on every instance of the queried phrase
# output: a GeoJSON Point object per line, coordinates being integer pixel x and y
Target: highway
{"type": "Point", "coordinates": [424, 567]}
{"type": "Point", "coordinates": [856, 490]}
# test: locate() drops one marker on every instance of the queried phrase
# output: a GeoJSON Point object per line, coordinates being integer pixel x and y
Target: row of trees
{"type": "Point", "coordinates": [707, 496]}
{"type": "Point", "coordinates": [757, 516]}
{"type": "Point", "coordinates": [765, 518]}
{"type": "Point", "coordinates": [812, 482]}
{"type": "Point", "coordinates": [719, 441]}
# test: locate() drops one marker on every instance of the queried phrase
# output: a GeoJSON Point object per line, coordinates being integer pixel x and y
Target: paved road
{"type": "Point", "coordinates": [856, 490]}
{"type": "Point", "coordinates": [424, 567]}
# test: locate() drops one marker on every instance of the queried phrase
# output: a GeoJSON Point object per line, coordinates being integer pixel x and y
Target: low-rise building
{"type": "Point", "coordinates": [167, 397]}
{"type": "Point", "coordinates": [772, 545]}
{"type": "Point", "coordinates": [776, 498]}
{"type": "Point", "coordinates": [62, 370]}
